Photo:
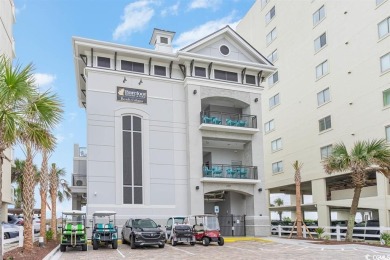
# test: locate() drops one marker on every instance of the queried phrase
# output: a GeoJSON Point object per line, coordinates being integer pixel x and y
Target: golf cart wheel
{"type": "Point", "coordinates": [221, 241]}
{"type": "Point", "coordinates": [84, 247]}
{"type": "Point", "coordinates": [192, 243]}
{"type": "Point", "coordinates": [132, 242]}
{"type": "Point", "coordinates": [6, 236]}
{"type": "Point", "coordinates": [161, 246]}
{"type": "Point", "coordinates": [115, 244]}
{"type": "Point", "coordinates": [62, 248]}
{"type": "Point", "coordinates": [95, 244]}
{"type": "Point", "coordinates": [205, 241]}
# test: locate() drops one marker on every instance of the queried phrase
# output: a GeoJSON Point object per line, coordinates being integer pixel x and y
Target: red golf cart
{"type": "Point", "coordinates": [206, 229]}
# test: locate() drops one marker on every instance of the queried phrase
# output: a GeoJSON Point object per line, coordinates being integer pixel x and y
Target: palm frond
{"type": "Point", "coordinates": [338, 160]}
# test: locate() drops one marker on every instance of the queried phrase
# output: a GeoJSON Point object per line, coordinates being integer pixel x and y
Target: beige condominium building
{"type": "Point", "coordinates": [7, 48]}
{"type": "Point", "coordinates": [332, 85]}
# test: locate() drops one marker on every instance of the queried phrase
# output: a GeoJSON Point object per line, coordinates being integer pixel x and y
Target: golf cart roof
{"type": "Point", "coordinates": [204, 215]}
{"type": "Point", "coordinates": [103, 213]}
{"type": "Point", "coordinates": [74, 212]}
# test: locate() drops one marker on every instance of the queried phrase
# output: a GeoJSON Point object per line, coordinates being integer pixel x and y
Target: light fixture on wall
{"type": "Point", "coordinates": [196, 187]}
{"type": "Point", "coordinates": [195, 91]}
{"type": "Point", "coordinates": [256, 99]}
{"type": "Point", "coordinates": [95, 193]}
{"type": "Point", "coordinates": [260, 189]}
{"type": "Point", "coordinates": [124, 79]}
{"type": "Point", "coordinates": [140, 82]}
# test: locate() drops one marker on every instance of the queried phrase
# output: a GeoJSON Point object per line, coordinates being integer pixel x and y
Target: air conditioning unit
{"type": "Point", "coordinates": [79, 183]}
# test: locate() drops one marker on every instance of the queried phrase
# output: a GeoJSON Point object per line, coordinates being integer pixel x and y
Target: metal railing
{"type": "Point", "coordinates": [228, 119]}
{"type": "Point", "coordinates": [230, 171]}
{"type": "Point", "coordinates": [79, 180]}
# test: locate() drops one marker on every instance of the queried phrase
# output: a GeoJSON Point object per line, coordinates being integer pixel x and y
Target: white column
{"type": "Point", "coordinates": [318, 188]}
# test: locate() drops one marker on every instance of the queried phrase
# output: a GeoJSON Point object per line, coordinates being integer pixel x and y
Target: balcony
{"type": "Point", "coordinates": [83, 151]}
{"type": "Point", "coordinates": [79, 180]}
{"type": "Point", "coordinates": [228, 122]}
{"type": "Point", "coordinates": [229, 173]}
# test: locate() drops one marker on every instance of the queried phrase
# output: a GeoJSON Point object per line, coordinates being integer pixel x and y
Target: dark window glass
{"type": "Point", "coordinates": [164, 40]}
{"type": "Point", "coordinates": [250, 79]}
{"type": "Point", "coordinates": [127, 195]}
{"type": "Point", "coordinates": [137, 159]}
{"type": "Point", "coordinates": [103, 62]}
{"type": "Point", "coordinates": [132, 66]}
{"type": "Point", "coordinates": [225, 75]}
{"type": "Point", "coordinates": [137, 195]}
{"type": "Point", "coordinates": [224, 50]}
{"type": "Point", "coordinates": [126, 122]}
{"type": "Point", "coordinates": [138, 67]}
{"type": "Point", "coordinates": [200, 72]}
{"type": "Point", "coordinates": [137, 123]}
{"type": "Point", "coordinates": [127, 158]}
{"type": "Point", "coordinates": [160, 70]}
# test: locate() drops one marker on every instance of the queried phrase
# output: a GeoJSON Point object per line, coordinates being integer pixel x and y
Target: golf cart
{"type": "Point", "coordinates": [73, 230]}
{"type": "Point", "coordinates": [179, 230]}
{"type": "Point", "coordinates": [104, 229]}
{"type": "Point", "coordinates": [206, 229]}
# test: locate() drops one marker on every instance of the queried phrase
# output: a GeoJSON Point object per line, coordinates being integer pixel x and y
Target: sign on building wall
{"type": "Point", "coordinates": [131, 95]}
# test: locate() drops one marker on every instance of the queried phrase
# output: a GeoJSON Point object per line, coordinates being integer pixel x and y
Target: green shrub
{"type": "Point", "coordinates": [286, 219]}
{"type": "Point", "coordinates": [320, 231]}
{"type": "Point", "coordinates": [49, 235]}
{"type": "Point", "coordinates": [386, 238]}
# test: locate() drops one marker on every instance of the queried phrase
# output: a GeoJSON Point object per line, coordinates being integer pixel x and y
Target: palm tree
{"type": "Point", "coordinates": [364, 157]}
{"type": "Point", "coordinates": [17, 177]}
{"type": "Point", "coordinates": [58, 188]}
{"type": "Point", "coordinates": [279, 202]}
{"type": "Point", "coordinates": [297, 177]}
{"type": "Point", "coordinates": [43, 183]}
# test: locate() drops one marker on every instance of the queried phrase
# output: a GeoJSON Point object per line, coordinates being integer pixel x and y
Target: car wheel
{"type": "Point", "coordinates": [192, 243]}
{"type": "Point", "coordinates": [205, 241]}
{"type": "Point", "coordinates": [221, 241]}
{"type": "Point", "coordinates": [84, 247]}
{"type": "Point", "coordinates": [161, 246]}
{"type": "Point", "coordinates": [95, 244]}
{"type": "Point", "coordinates": [132, 242]}
{"type": "Point", "coordinates": [62, 248]}
{"type": "Point", "coordinates": [6, 236]}
{"type": "Point", "coordinates": [115, 244]}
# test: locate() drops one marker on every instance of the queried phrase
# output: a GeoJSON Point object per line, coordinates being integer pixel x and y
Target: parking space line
{"type": "Point", "coordinates": [123, 256]}
{"type": "Point", "coordinates": [243, 249]}
{"type": "Point", "coordinates": [182, 250]}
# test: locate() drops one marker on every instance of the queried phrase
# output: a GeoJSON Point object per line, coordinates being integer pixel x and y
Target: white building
{"type": "Point", "coordinates": [332, 85]}
{"type": "Point", "coordinates": [7, 48]}
{"type": "Point", "coordinates": [175, 133]}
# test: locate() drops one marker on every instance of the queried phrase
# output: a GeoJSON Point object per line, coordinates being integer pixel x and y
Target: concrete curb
{"type": "Point", "coordinates": [52, 253]}
{"type": "Point", "coordinates": [236, 239]}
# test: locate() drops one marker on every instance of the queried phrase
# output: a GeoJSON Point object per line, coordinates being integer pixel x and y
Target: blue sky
{"type": "Point", "coordinates": [44, 29]}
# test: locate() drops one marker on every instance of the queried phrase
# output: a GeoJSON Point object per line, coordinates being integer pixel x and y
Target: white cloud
{"type": "Point", "coordinates": [199, 4]}
{"type": "Point", "coordinates": [60, 138]}
{"type": "Point", "coordinates": [203, 30]}
{"type": "Point", "coordinates": [171, 10]}
{"type": "Point", "coordinates": [44, 80]}
{"type": "Point", "coordinates": [19, 10]}
{"type": "Point", "coordinates": [136, 16]}
{"type": "Point", "coordinates": [71, 116]}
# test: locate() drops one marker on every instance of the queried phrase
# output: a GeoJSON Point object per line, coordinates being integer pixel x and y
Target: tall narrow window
{"type": "Point", "coordinates": [386, 97]}
{"type": "Point", "coordinates": [271, 36]}
{"type": "Point", "coordinates": [320, 42]}
{"type": "Point", "coordinates": [322, 69]}
{"type": "Point", "coordinates": [274, 101]}
{"type": "Point", "coordinates": [276, 145]}
{"type": "Point", "coordinates": [387, 133]}
{"type": "Point", "coordinates": [326, 151]}
{"type": "Point", "coordinates": [132, 159]}
{"type": "Point", "coordinates": [277, 167]}
{"type": "Point", "coordinates": [274, 78]}
{"type": "Point", "coordinates": [264, 3]}
{"type": "Point", "coordinates": [319, 15]}
{"type": "Point", "coordinates": [273, 56]}
{"type": "Point", "coordinates": [384, 28]}
{"type": "Point", "coordinates": [270, 15]}
{"type": "Point", "coordinates": [385, 62]}
{"type": "Point", "coordinates": [269, 126]}
{"type": "Point", "coordinates": [325, 123]}
{"type": "Point", "coordinates": [323, 96]}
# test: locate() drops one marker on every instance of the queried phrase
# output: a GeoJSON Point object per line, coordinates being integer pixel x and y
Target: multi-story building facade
{"type": "Point", "coordinates": [332, 85]}
{"type": "Point", "coordinates": [79, 177]}
{"type": "Point", "coordinates": [174, 133]}
{"type": "Point", "coordinates": [7, 48]}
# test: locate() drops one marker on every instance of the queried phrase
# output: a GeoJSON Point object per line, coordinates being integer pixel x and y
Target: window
{"type": "Point", "coordinates": [276, 145]}
{"type": "Point", "coordinates": [320, 42]}
{"type": "Point", "coordinates": [164, 40]}
{"type": "Point", "coordinates": [378, 2]}
{"type": "Point", "coordinates": [322, 69]}
{"type": "Point", "coordinates": [270, 15]}
{"type": "Point", "coordinates": [104, 62]}
{"type": "Point", "coordinates": [274, 101]}
{"type": "Point", "coordinates": [319, 15]}
{"type": "Point", "coordinates": [325, 123]}
{"type": "Point", "coordinates": [384, 27]}
{"type": "Point", "coordinates": [132, 66]}
{"type": "Point", "coordinates": [200, 72]}
{"type": "Point", "coordinates": [277, 167]}
{"type": "Point", "coordinates": [387, 133]}
{"type": "Point", "coordinates": [273, 56]}
{"type": "Point", "coordinates": [225, 75]}
{"type": "Point", "coordinates": [326, 151]}
{"type": "Point", "coordinates": [271, 36]}
{"type": "Point", "coordinates": [274, 78]}
{"type": "Point", "coordinates": [323, 96]}
{"type": "Point", "coordinates": [160, 70]}
{"type": "Point", "coordinates": [132, 159]}
{"type": "Point", "coordinates": [269, 126]}
{"type": "Point", "coordinates": [264, 3]}
{"type": "Point", "coordinates": [385, 62]}
{"type": "Point", "coordinates": [250, 79]}
{"type": "Point", "coordinates": [386, 97]}
{"type": "Point", "coordinates": [224, 50]}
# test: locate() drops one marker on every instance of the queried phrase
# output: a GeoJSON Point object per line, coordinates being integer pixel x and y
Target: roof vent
{"type": "Point", "coordinates": [162, 40]}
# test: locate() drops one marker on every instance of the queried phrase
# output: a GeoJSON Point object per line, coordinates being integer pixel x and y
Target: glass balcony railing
{"type": "Point", "coordinates": [230, 171]}
{"type": "Point", "coordinates": [228, 119]}
{"type": "Point", "coordinates": [79, 180]}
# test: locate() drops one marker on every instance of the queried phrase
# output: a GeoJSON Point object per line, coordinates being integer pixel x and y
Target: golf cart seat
{"type": "Point", "coordinates": [109, 227]}
{"type": "Point", "coordinates": [68, 229]}
{"type": "Point", "coordinates": [80, 229]}
{"type": "Point", "coordinates": [198, 228]}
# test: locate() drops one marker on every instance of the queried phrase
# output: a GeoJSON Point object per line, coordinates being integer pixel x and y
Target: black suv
{"type": "Point", "coordinates": [142, 232]}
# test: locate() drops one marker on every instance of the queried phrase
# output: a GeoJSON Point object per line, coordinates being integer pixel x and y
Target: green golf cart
{"type": "Point", "coordinates": [104, 229]}
{"type": "Point", "coordinates": [73, 230]}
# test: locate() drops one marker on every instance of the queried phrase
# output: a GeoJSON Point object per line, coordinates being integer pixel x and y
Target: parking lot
{"type": "Point", "coordinates": [278, 249]}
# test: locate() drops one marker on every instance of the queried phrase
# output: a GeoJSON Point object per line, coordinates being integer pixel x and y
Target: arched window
{"type": "Point", "coordinates": [132, 159]}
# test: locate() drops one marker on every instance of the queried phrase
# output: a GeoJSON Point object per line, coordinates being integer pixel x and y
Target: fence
{"type": "Point", "coordinates": [16, 241]}
{"type": "Point", "coordinates": [334, 232]}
